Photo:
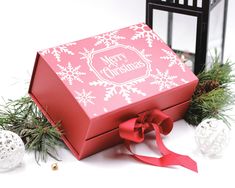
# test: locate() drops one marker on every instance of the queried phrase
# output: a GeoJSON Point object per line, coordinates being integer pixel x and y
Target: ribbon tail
{"type": "Point", "coordinates": [172, 157]}
{"type": "Point", "coordinates": [146, 159]}
{"type": "Point", "coordinates": [165, 160]}
{"type": "Point", "coordinates": [187, 162]}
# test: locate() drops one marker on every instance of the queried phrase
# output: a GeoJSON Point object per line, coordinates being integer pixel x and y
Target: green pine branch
{"type": "Point", "coordinates": [23, 117]}
{"type": "Point", "coordinates": [213, 95]}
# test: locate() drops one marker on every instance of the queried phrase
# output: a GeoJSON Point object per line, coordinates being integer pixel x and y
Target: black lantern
{"type": "Point", "coordinates": [192, 28]}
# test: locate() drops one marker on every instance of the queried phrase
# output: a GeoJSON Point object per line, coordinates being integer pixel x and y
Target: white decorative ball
{"type": "Point", "coordinates": [212, 136]}
{"type": "Point", "coordinates": [12, 150]}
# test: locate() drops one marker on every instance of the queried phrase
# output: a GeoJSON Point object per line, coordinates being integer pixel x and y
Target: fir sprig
{"type": "Point", "coordinates": [213, 95]}
{"type": "Point", "coordinates": [23, 117]}
{"type": "Point", "coordinates": [218, 72]}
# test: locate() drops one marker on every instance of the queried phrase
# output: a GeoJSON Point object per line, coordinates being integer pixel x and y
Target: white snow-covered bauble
{"type": "Point", "coordinates": [12, 150]}
{"type": "Point", "coordinates": [212, 136]}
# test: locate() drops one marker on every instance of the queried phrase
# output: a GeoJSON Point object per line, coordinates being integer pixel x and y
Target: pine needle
{"type": "Point", "coordinates": [24, 118]}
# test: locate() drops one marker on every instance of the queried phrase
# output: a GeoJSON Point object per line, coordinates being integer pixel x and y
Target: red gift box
{"type": "Point", "coordinates": [93, 85]}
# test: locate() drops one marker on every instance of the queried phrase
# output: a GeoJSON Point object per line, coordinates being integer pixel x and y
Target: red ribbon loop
{"type": "Point", "coordinates": [135, 128]}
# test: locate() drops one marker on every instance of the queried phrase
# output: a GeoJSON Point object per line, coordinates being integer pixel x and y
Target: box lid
{"type": "Point", "coordinates": [109, 71]}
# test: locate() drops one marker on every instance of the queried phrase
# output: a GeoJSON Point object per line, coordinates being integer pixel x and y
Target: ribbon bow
{"type": "Point", "coordinates": [134, 129]}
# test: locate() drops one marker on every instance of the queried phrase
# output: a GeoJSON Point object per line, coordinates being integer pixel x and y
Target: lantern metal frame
{"type": "Point", "coordinates": [202, 12]}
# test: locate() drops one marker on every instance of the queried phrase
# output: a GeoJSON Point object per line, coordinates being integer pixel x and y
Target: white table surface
{"type": "Point", "coordinates": [29, 25]}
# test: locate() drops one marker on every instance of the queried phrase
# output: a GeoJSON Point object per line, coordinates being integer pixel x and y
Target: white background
{"type": "Point", "coordinates": [27, 26]}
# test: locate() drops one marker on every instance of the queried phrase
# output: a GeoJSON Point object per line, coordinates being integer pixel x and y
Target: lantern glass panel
{"type": "Point", "coordinates": [160, 20]}
{"type": "Point", "coordinates": [182, 36]}
{"type": "Point", "coordinates": [215, 33]}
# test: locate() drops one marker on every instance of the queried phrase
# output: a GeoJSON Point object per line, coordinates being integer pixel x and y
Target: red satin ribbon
{"type": "Point", "coordinates": [134, 129]}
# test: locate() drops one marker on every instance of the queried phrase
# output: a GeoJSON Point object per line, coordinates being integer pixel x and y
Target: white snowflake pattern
{"type": "Point", "coordinates": [70, 74]}
{"type": "Point", "coordinates": [163, 80]}
{"type": "Point", "coordinates": [86, 54]}
{"type": "Point", "coordinates": [147, 56]}
{"type": "Point", "coordinates": [57, 51]}
{"type": "Point", "coordinates": [173, 59]}
{"type": "Point", "coordinates": [142, 31]}
{"type": "Point", "coordinates": [85, 97]}
{"type": "Point", "coordinates": [108, 39]}
{"type": "Point", "coordinates": [124, 90]}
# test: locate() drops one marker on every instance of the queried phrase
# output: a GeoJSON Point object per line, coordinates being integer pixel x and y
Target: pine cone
{"type": "Point", "coordinates": [209, 85]}
{"type": "Point", "coordinates": [206, 87]}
